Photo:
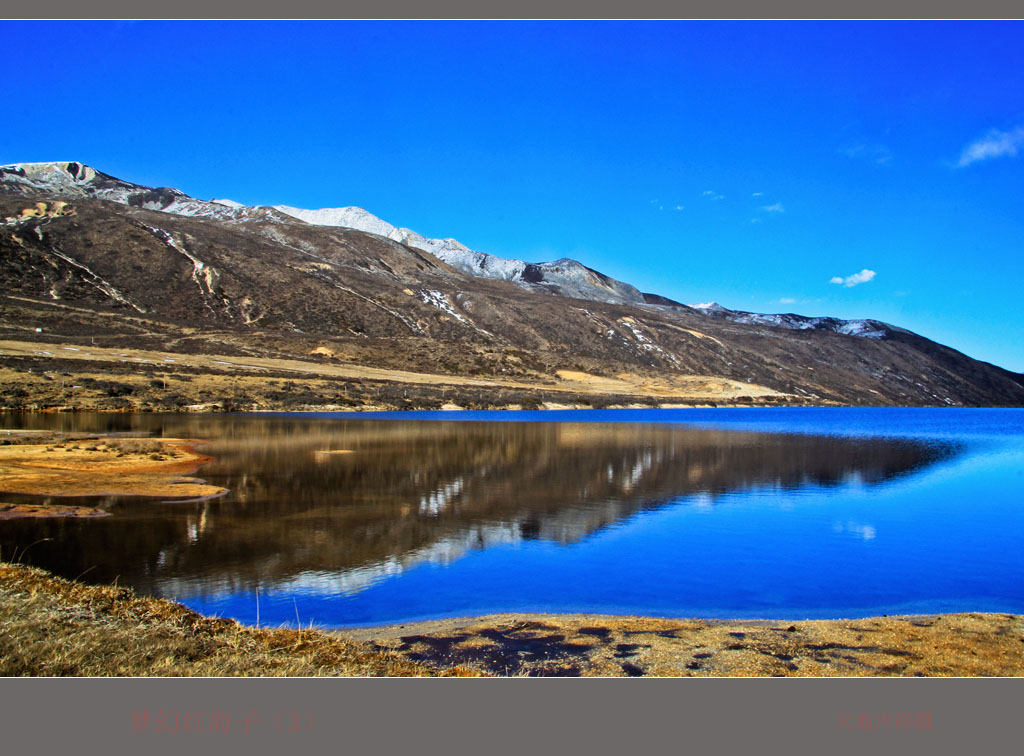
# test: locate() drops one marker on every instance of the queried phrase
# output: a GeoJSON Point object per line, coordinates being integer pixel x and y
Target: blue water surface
{"type": "Point", "coordinates": [947, 536]}
{"type": "Point", "coordinates": [352, 519]}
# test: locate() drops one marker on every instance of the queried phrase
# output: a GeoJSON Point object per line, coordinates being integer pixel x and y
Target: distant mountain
{"type": "Point", "coordinates": [868, 329]}
{"type": "Point", "coordinates": [152, 267]}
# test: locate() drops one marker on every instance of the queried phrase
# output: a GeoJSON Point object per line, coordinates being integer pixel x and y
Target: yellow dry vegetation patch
{"type": "Point", "coordinates": [589, 382]}
{"type": "Point", "coordinates": [692, 332]}
{"type": "Point", "coordinates": [55, 627]}
{"type": "Point", "coordinates": [254, 368]}
{"type": "Point", "coordinates": [48, 210]}
{"type": "Point", "coordinates": [105, 467]}
{"type": "Point", "coordinates": [669, 386]}
{"type": "Point", "coordinates": [171, 360]}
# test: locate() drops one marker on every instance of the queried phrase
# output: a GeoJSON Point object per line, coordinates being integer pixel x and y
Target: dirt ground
{"type": "Point", "coordinates": [98, 466]}
{"type": "Point", "coordinates": [589, 645]}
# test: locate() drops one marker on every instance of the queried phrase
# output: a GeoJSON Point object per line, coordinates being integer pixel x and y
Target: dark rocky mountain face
{"type": "Point", "coordinates": [89, 260]}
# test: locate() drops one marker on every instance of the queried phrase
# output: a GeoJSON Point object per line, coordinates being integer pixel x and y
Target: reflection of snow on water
{"type": "Point", "coordinates": [437, 501]}
{"type": "Point", "coordinates": [443, 552]}
{"type": "Point", "coordinates": [857, 529]}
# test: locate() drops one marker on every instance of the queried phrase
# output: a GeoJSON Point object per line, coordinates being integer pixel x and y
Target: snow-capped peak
{"type": "Point", "coordinates": [227, 203]}
{"type": "Point", "coordinates": [345, 217]}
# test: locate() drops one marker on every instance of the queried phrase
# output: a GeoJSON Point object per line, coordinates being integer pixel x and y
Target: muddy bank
{"type": "Point", "coordinates": [63, 465]}
{"type": "Point", "coordinates": [589, 645]}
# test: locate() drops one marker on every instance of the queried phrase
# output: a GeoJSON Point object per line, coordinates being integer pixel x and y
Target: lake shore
{"type": "Point", "coordinates": [968, 645]}
{"type": "Point", "coordinates": [51, 626]}
{"type": "Point", "coordinates": [63, 464]}
{"type": "Point", "coordinates": [55, 627]}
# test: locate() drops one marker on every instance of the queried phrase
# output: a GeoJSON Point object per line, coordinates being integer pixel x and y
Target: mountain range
{"type": "Point", "coordinates": [123, 280]}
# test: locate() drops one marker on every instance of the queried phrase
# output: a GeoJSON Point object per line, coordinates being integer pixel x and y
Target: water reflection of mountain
{"type": "Point", "coordinates": [409, 492]}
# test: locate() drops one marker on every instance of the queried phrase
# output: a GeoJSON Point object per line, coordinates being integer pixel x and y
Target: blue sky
{"type": "Point", "coordinates": [763, 165]}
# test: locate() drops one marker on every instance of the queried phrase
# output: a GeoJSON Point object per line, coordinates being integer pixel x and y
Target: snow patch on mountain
{"type": "Point", "coordinates": [867, 329]}
{"type": "Point", "coordinates": [345, 217]}
{"type": "Point", "coordinates": [711, 306]}
{"type": "Point", "coordinates": [440, 301]}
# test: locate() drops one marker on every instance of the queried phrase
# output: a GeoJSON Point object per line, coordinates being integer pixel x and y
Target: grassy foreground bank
{"type": "Point", "coordinates": [55, 627]}
{"type": "Point", "coordinates": [51, 626]}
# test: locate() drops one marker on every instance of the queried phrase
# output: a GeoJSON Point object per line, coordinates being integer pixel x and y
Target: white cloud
{"type": "Point", "coordinates": [680, 207]}
{"type": "Point", "coordinates": [757, 194]}
{"type": "Point", "coordinates": [878, 154]}
{"type": "Point", "coordinates": [776, 208]}
{"type": "Point", "coordinates": [787, 300]}
{"type": "Point", "coordinates": [995, 144]}
{"type": "Point", "coordinates": [712, 195]}
{"type": "Point", "coordinates": [857, 278]}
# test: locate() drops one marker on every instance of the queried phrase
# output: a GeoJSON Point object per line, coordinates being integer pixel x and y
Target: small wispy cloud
{"type": "Point", "coordinates": [995, 144]}
{"type": "Point", "coordinates": [878, 154]}
{"type": "Point", "coordinates": [776, 208]}
{"type": "Point", "coordinates": [712, 195]}
{"type": "Point", "coordinates": [787, 300]}
{"type": "Point", "coordinates": [757, 194]}
{"type": "Point", "coordinates": [680, 207]}
{"type": "Point", "coordinates": [857, 278]}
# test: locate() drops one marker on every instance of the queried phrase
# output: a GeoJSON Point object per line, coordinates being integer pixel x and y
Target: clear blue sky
{"type": "Point", "coordinates": [751, 163]}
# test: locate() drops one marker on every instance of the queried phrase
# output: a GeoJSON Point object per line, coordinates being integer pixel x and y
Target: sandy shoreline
{"type": "Point", "coordinates": [52, 626]}
{"type": "Point", "coordinates": [57, 464]}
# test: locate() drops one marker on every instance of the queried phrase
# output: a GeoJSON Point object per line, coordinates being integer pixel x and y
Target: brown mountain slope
{"type": "Point", "coordinates": [90, 271]}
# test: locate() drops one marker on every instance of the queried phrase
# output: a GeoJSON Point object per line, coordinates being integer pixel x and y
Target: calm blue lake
{"type": "Point", "coordinates": [747, 513]}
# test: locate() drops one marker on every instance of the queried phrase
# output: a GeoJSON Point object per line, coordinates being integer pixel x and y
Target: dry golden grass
{"type": "Point", "coordinates": [246, 373]}
{"type": "Point", "coordinates": [54, 627]}
{"type": "Point", "coordinates": [128, 466]}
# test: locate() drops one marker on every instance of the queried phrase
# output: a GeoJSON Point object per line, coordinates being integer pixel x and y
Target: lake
{"type": "Point", "coordinates": [791, 513]}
